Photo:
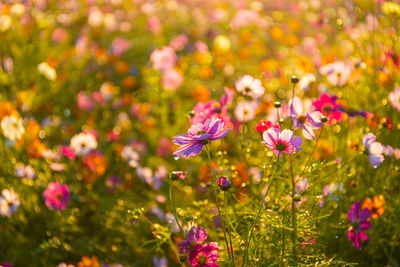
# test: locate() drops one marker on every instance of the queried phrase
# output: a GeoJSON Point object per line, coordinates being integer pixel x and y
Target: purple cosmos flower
{"type": "Point", "coordinates": [307, 121]}
{"type": "Point", "coordinates": [281, 142]}
{"type": "Point", "coordinates": [359, 222]}
{"type": "Point", "coordinates": [375, 149]}
{"type": "Point", "coordinates": [56, 196]}
{"type": "Point", "coordinates": [196, 236]}
{"type": "Point", "coordinates": [198, 136]}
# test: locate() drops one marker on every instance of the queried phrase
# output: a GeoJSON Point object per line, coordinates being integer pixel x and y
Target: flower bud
{"type": "Point", "coordinates": [183, 258]}
{"type": "Point", "coordinates": [294, 79]}
{"type": "Point", "coordinates": [178, 175]}
{"type": "Point", "coordinates": [224, 183]}
{"type": "Point", "coordinates": [277, 104]}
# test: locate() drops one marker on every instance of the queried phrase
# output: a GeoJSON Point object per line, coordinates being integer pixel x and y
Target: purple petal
{"type": "Point", "coordinates": [202, 137]}
{"type": "Point", "coordinates": [220, 135]}
{"type": "Point", "coordinates": [296, 142]}
{"type": "Point", "coordinates": [189, 150]}
{"type": "Point", "coordinates": [182, 139]}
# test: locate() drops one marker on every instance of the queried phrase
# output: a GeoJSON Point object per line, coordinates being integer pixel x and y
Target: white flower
{"type": "Point", "coordinates": [12, 127]}
{"type": "Point", "coordinates": [305, 81]}
{"type": "Point", "coordinates": [9, 202]}
{"type": "Point", "coordinates": [83, 143]}
{"type": "Point", "coordinates": [247, 85]}
{"type": "Point", "coordinates": [131, 155]}
{"type": "Point", "coordinates": [394, 98]}
{"type": "Point", "coordinates": [337, 73]}
{"type": "Point", "coordinates": [375, 149]}
{"type": "Point", "coordinates": [47, 71]}
{"type": "Point", "coordinates": [245, 111]}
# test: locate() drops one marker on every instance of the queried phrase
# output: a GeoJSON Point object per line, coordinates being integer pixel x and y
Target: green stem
{"type": "Point", "coordinates": [218, 206]}
{"type": "Point", "coordinates": [229, 232]}
{"type": "Point", "coordinates": [171, 200]}
{"type": "Point", "coordinates": [294, 233]}
{"type": "Point", "coordinates": [258, 214]}
{"type": "Point", "coordinates": [312, 153]}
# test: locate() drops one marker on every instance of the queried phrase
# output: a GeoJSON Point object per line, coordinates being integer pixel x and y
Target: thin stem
{"type": "Point", "coordinates": [312, 153]}
{"type": "Point", "coordinates": [229, 232]}
{"type": "Point", "coordinates": [294, 86]}
{"type": "Point", "coordinates": [294, 233]}
{"type": "Point", "coordinates": [218, 207]}
{"type": "Point", "coordinates": [258, 214]}
{"type": "Point", "coordinates": [171, 201]}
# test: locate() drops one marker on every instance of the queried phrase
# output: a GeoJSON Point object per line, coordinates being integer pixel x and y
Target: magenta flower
{"type": "Point", "coordinates": [329, 107]}
{"type": "Point", "coordinates": [178, 175]}
{"type": "Point", "coordinates": [213, 108]}
{"type": "Point", "coordinates": [199, 254]}
{"type": "Point", "coordinates": [205, 255]}
{"type": "Point", "coordinates": [281, 142]}
{"type": "Point", "coordinates": [223, 183]}
{"type": "Point", "coordinates": [307, 121]}
{"type": "Point", "coordinates": [198, 136]}
{"type": "Point", "coordinates": [359, 221]}
{"type": "Point", "coordinates": [56, 196]}
{"type": "Point", "coordinates": [196, 236]}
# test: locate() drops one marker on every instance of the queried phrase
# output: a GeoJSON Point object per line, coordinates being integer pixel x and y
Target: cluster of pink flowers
{"type": "Point", "coordinates": [200, 254]}
{"type": "Point", "coordinates": [213, 108]}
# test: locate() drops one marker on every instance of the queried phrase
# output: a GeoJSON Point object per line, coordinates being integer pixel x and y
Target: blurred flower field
{"type": "Point", "coordinates": [199, 133]}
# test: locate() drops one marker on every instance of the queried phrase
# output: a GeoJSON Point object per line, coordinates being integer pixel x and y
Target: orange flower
{"type": "Point", "coordinates": [375, 206]}
{"type": "Point", "coordinates": [95, 166]}
{"type": "Point", "coordinates": [7, 109]}
{"type": "Point", "coordinates": [201, 93]}
{"type": "Point", "coordinates": [323, 150]}
{"type": "Point", "coordinates": [35, 148]}
{"type": "Point", "coordinates": [89, 262]}
{"type": "Point", "coordinates": [32, 129]}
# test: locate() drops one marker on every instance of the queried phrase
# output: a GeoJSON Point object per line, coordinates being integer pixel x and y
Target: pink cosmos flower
{"type": "Point", "coordinates": [85, 102]}
{"type": "Point", "coordinates": [374, 149]}
{"type": "Point", "coordinates": [171, 80]}
{"type": "Point", "coordinates": [205, 255]}
{"type": "Point", "coordinates": [68, 152]}
{"type": "Point", "coordinates": [359, 221]}
{"type": "Point", "coordinates": [120, 46]}
{"type": "Point", "coordinates": [249, 86]}
{"type": "Point", "coordinates": [262, 126]}
{"type": "Point", "coordinates": [281, 142]}
{"type": "Point", "coordinates": [154, 25]}
{"type": "Point", "coordinates": [245, 110]}
{"type": "Point", "coordinates": [212, 108]}
{"type": "Point", "coordinates": [56, 196]}
{"type": "Point", "coordinates": [307, 121]}
{"type": "Point", "coordinates": [163, 59]}
{"type": "Point", "coordinates": [245, 17]}
{"type": "Point", "coordinates": [329, 107]}
{"type": "Point", "coordinates": [199, 254]}
{"type": "Point", "coordinates": [394, 98]}
{"type": "Point", "coordinates": [199, 135]}
{"type": "Point", "coordinates": [201, 46]}
{"type": "Point", "coordinates": [179, 42]}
